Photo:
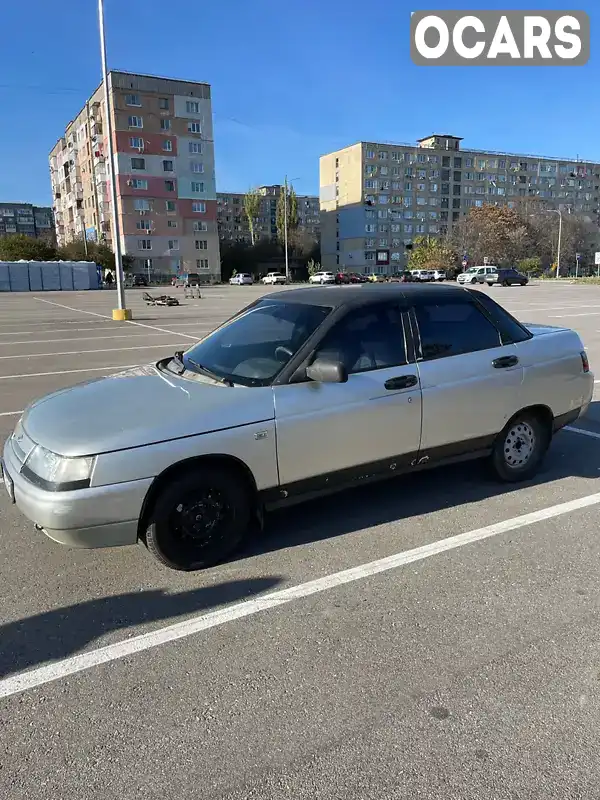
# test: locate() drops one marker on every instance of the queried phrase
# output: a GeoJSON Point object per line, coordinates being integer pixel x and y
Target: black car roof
{"type": "Point", "coordinates": [336, 296]}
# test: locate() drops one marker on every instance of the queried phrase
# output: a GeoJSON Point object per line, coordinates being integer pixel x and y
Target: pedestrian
{"type": "Point", "coordinates": [109, 279]}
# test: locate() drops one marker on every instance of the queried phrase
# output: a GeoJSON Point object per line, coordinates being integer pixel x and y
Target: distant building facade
{"type": "Point", "coordinates": [165, 174]}
{"type": "Point", "coordinates": [233, 222]}
{"type": "Point", "coordinates": [27, 219]}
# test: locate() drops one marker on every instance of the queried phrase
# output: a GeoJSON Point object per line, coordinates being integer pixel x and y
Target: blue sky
{"type": "Point", "coordinates": [290, 81]}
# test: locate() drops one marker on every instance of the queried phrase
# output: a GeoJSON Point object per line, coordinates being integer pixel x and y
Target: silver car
{"type": "Point", "coordinates": [302, 392]}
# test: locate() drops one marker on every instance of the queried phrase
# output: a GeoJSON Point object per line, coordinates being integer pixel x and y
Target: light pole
{"type": "Point", "coordinates": [120, 313]}
{"type": "Point", "coordinates": [285, 226]}
{"type": "Point", "coordinates": [560, 221]}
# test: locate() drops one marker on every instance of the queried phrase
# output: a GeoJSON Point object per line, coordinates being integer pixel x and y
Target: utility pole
{"type": "Point", "coordinates": [559, 242]}
{"type": "Point", "coordinates": [285, 229]}
{"type": "Point", "coordinates": [120, 313]}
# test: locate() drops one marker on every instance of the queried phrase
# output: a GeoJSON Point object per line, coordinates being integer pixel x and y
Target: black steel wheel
{"type": "Point", "coordinates": [199, 518]}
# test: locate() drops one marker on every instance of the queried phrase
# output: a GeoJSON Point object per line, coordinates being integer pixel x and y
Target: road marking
{"type": "Point", "coordinates": [23, 681]}
{"type": "Point", "coordinates": [118, 368]}
{"type": "Point", "coordinates": [105, 316]}
{"type": "Point", "coordinates": [582, 432]}
{"type": "Point", "coordinates": [91, 329]}
{"type": "Point", "coordinates": [9, 413]}
{"type": "Point", "coordinates": [91, 352]}
{"type": "Point", "coordinates": [86, 339]}
{"type": "Point", "coordinates": [564, 316]}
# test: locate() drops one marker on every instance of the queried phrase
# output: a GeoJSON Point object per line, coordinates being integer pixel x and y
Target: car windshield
{"type": "Point", "coordinates": [254, 346]}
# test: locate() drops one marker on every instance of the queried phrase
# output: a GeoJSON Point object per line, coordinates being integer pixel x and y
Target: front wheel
{"type": "Point", "coordinates": [199, 518]}
{"type": "Point", "coordinates": [520, 449]}
{"type": "Point", "coordinates": [473, 280]}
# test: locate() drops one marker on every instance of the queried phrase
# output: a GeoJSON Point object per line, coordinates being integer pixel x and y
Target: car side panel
{"type": "Point", "coordinates": [553, 374]}
{"type": "Point", "coordinates": [466, 399]}
{"type": "Point", "coordinates": [254, 445]}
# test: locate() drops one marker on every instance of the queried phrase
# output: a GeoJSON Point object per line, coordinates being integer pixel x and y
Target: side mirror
{"type": "Point", "coordinates": [324, 370]}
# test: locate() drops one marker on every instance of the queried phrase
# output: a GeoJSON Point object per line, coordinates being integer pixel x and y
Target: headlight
{"type": "Point", "coordinates": [57, 473]}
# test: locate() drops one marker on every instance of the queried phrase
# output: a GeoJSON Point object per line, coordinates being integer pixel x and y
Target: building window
{"type": "Point", "coordinates": [170, 206]}
{"type": "Point", "coordinates": [196, 166]}
{"type": "Point", "coordinates": [143, 225]}
{"type": "Point", "coordinates": [199, 206]}
{"type": "Point", "coordinates": [141, 205]}
{"type": "Point", "coordinates": [167, 146]}
{"type": "Point", "coordinates": [202, 263]}
{"type": "Point", "coordinates": [135, 122]}
{"type": "Point", "coordinates": [163, 103]}
{"type": "Point", "coordinates": [132, 100]}
{"type": "Point", "coordinates": [167, 166]}
{"type": "Point", "coordinates": [165, 124]}
{"type": "Point", "coordinates": [194, 127]}
{"type": "Point", "coordinates": [370, 228]}
{"type": "Point", "coordinates": [136, 141]}
{"type": "Point", "coordinates": [195, 147]}
{"type": "Point", "coordinates": [169, 186]}
{"type": "Point", "coordinates": [200, 226]}
{"type": "Point", "coordinates": [173, 244]}
{"type": "Point", "coordinates": [139, 183]}
{"type": "Point", "coordinates": [192, 107]}
{"type": "Point", "coordinates": [370, 154]}
{"type": "Point", "coordinates": [201, 244]}
{"type": "Point", "coordinates": [171, 223]}
{"type": "Point", "coordinates": [138, 163]}
{"type": "Point", "coordinates": [197, 187]}
{"type": "Point", "coordinates": [144, 244]}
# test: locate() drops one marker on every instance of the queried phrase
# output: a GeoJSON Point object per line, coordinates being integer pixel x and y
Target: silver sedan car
{"type": "Point", "coordinates": [302, 392]}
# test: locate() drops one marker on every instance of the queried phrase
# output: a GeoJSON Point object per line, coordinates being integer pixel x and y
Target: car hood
{"type": "Point", "coordinates": [140, 406]}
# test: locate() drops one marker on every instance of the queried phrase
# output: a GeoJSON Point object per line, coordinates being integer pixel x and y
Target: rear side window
{"type": "Point", "coordinates": [511, 330]}
{"type": "Point", "coordinates": [451, 329]}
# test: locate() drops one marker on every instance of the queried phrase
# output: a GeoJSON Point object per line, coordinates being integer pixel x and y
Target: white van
{"type": "Point", "coordinates": [476, 274]}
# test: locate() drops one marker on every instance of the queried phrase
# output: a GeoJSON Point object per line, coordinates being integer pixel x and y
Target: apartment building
{"type": "Point", "coordinates": [233, 221]}
{"type": "Point", "coordinates": [35, 221]}
{"type": "Point", "coordinates": [165, 174]}
{"type": "Point", "coordinates": [375, 198]}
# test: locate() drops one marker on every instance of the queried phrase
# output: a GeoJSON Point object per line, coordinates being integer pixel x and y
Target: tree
{"type": "Point", "coordinates": [292, 215]}
{"type": "Point", "coordinates": [428, 253]}
{"type": "Point", "coordinates": [313, 267]}
{"type": "Point", "coordinates": [20, 247]}
{"type": "Point", "coordinates": [497, 233]}
{"type": "Point", "coordinates": [252, 203]}
{"type": "Point", "coordinates": [577, 237]}
{"type": "Point", "coordinates": [531, 266]}
{"type": "Point", "coordinates": [98, 252]}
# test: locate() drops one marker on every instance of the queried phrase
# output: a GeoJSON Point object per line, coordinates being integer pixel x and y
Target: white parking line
{"type": "Point", "coordinates": [583, 432]}
{"type": "Point", "coordinates": [180, 630]}
{"type": "Point", "coordinates": [105, 316]}
{"type": "Point", "coordinates": [91, 352]}
{"type": "Point", "coordinates": [88, 339]}
{"type": "Point", "coordinates": [118, 368]}
{"type": "Point", "coordinates": [9, 413]}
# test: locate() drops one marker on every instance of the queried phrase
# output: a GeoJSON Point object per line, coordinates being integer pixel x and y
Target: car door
{"type": "Point", "coordinates": [328, 432]}
{"type": "Point", "coordinates": [471, 382]}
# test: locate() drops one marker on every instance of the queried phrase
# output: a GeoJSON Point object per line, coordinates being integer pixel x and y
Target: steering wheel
{"type": "Point", "coordinates": [283, 351]}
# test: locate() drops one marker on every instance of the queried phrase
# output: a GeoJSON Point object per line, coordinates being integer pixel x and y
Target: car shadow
{"type": "Point", "coordinates": [64, 631]}
{"type": "Point", "coordinates": [401, 498]}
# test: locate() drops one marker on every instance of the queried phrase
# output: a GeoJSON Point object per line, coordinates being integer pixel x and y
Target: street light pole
{"type": "Point", "coordinates": [559, 212]}
{"type": "Point", "coordinates": [119, 313]}
{"type": "Point", "coordinates": [285, 230]}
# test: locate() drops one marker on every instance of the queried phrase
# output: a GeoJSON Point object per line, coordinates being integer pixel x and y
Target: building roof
{"type": "Point", "coordinates": [365, 293]}
{"type": "Point", "coordinates": [440, 136]}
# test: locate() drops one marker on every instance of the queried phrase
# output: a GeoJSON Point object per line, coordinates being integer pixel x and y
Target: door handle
{"type": "Point", "coordinates": [401, 382]}
{"type": "Point", "coordinates": [505, 361]}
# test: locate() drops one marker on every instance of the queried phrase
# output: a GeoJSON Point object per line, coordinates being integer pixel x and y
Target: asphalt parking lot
{"type": "Point", "coordinates": [462, 667]}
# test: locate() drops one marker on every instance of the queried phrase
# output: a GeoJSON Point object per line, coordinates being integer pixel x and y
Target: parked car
{"type": "Point", "coordinates": [139, 280]}
{"type": "Point", "coordinates": [442, 374]}
{"type": "Point", "coordinates": [402, 277]}
{"type": "Point", "coordinates": [274, 278]}
{"type": "Point", "coordinates": [342, 277]}
{"type": "Point", "coordinates": [439, 275]}
{"type": "Point", "coordinates": [356, 277]}
{"type": "Point", "coordinates": [423, 275]}
{"type": "Point", "coordinates": [241, 279]}
{"type": "Point", "coordinates": [476, 274]}
{"type": "Point", "coordinates": [322, 277]}
{"type": "Point", "coordinates": [506, 277]}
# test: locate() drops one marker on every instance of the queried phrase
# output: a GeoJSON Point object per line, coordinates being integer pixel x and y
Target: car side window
{"type": "Point", "coordinates": [367, 339]}
{"type": "Point", "coordinates": [510, 329]}
{"type": "Point", "coordinates": [451, 329]}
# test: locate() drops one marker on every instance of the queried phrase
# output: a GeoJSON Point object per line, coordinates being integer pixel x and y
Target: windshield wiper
{"type": "Point", "coordinates": [209, 373]}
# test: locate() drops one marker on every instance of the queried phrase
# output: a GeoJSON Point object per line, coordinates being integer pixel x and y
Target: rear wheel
{"type": "Point", "coordinates": [199, 518]}
{"type": "Point", "coordinates": [473, 280]}
{"type": "Point", "coordinates": [520, 449]}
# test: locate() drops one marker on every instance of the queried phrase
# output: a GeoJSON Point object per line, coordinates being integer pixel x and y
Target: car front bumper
{"type": "Point", "coordinates": [101, 516]}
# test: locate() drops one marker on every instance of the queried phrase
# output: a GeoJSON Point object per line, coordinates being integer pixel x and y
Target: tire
{"type": "Point", "coordinates": [505, 283]}
{"type": "Point", "coordinates": [473, 280]}
{"type": "Point", "coordinates": [173, 535]}
{"type": "Point", "coordinates": [513, 462]}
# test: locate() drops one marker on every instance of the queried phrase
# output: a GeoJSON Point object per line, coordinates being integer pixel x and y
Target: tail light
{"type": "Point", "coordinates": [585, 361]}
